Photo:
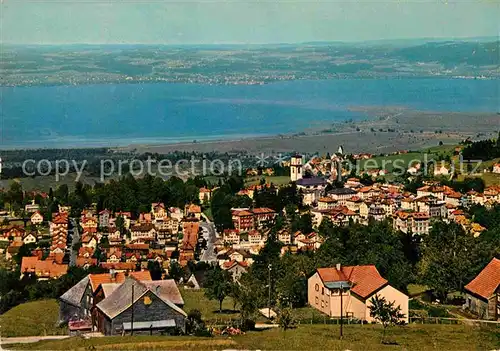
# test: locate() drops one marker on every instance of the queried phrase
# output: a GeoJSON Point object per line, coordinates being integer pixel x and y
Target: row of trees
{"type": "Point", "coordinates": [482, 149]}
{"type": "Point", "coordinates": [125, 194]}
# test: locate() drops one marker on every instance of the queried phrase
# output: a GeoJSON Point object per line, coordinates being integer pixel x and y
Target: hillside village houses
{"type": "Point", "coordinates": [159, 229]}
{"type": "Point", "coordinates": [496, 168]}
{"type": "Point", "coordinates": [36, 218]}
{"type": "Point", "coordinates": [155, 235]}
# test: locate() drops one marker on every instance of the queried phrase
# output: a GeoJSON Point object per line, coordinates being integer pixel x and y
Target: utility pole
{"type": "Point", "coordinates": [341, 319]}
{"type": "Point", "coordinates": [269, 301]}
{"type": "Point", "coordinates": [132, 315]}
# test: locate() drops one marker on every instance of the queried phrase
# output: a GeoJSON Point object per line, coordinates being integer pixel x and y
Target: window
{"type": "Point", "coordinates": [317, 300]}
{"type": "Point", "coordinates": [322, 291]}
{"type": "Point", "coordinates": [317, 287]}
{"type": "Point", "coordinates": [322, 303]}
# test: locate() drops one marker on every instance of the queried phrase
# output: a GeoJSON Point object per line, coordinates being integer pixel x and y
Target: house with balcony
{"type": "Point", "coordinates": [349, 289]}
{"type": "Point", "coordinates": [243, 219]}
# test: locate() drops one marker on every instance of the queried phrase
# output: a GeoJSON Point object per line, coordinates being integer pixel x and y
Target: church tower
{"type": "Point", "coordinates": [296, 168]}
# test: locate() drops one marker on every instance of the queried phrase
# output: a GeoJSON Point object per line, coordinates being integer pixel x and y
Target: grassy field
{"type": "Point", "coordinates": [488, 178]}
{"type": "Point", "coordinates": [195, 299]}
{"type": "Point", "coordinates": [305, 337]}
{"type": "Point", "coordinates": [416, 289]}
{"type": "Point", "coordinates": [402, 160]}
{"type": "Point", "coordinates": [276, 180]}
{"type": "Point", "coordinates": [491, 179]}
{"type": "Point", "coordinates": [32, 319]}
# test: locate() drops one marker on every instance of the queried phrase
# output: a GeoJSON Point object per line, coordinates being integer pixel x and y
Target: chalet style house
{"type": "Point", "coordinates": [79, 301]}
{"type": "Point", "coordinates": [483, 292]}
{"type": "Point", "coordinates": [358, 285]}
{"type": "Point", "coordinates": [147, 307]}
{"type": "Point", "coordinates": [104, 303]}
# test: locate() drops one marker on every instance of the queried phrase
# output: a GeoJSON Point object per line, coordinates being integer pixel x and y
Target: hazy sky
{"type": "Point", "coordinates": [239, 21]}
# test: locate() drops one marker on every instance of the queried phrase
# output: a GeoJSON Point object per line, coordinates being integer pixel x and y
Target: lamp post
{"type": "Point", "coordinates": [269, 297]}
{"type": "Point", "coordinates": [340, 285]}
{"type": "Point", "coordinates": [341, 316]}
{"type": "Point", "coordinates": [132, 314]}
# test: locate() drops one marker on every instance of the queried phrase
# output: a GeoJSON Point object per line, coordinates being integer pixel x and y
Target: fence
{"type": "Point", "coordinates": [447, 320]}
{"type": "Point", "coordinates": [319, 319]}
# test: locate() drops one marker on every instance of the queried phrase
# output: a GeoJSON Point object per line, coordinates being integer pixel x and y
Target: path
{"type": "Point", "coordinates": [75, 239]}
{"type": "Point", "coordinates": [30, 339]}
{"type": "Point", "coordinates": [208, 228]}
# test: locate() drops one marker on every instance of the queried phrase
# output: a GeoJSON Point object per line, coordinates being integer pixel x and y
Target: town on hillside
{"type": "Point", "coordinates": [126, 257]}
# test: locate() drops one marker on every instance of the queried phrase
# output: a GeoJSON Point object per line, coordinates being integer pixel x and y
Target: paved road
{"type": "Point", "coordinates": [210, 235]}
{"type": "Point", "coordinates": [75, 239]}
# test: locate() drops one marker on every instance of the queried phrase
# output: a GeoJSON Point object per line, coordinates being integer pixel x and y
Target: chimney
{"type": "Point", "coordinates": [337, 266]}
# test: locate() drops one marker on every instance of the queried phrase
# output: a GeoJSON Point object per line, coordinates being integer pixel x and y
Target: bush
{"type": "Point", "coordinates": [203, 332]}
{"type": "Point", "coordinates": [435, 311]}
{"type": "Point", "coordinates": [194, 315]}
{"type": "Point", "coordinates": [416, 305]}
{"type": "Point", "coordinates": [247, 324]}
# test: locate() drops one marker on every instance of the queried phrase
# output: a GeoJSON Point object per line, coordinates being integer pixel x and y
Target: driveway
{"type": "Point", "coordinates": [75, 239]}
{"type": "Point", "coordinates": [30, 339]}
{"type": "Point", "coordinates": [208, 229]}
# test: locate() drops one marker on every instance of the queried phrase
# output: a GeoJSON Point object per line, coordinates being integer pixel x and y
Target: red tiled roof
{"type": "Point", "coordinates": [365, 280]}
{"type": "Point", "coordinates": [82, 261]}
{"type": "Point", "coordinates": [262, 210]}
{"type": "Point", "coordinates": [364, 189]}
{"type": "Point", "coordinates": [229, 264]}
{"type": "Point", "coordinates": [241, 213]}
{"type": "Point", "coordinates": [47, 268]}
{"type": "Point", "coordinates": [194, 208]}
{"type": "Point", "coordinates": [60, 218]}
{"type": "Point", "coordinates": [487, 281]}
{"type": "Point", "coordinates": [137, 246]}
{"type": "Point", "coordinates": [98, 279]}
{"type": "Point", "coordinates": [190, 231]}
{"type": "Point", "coordinates": [327, 199]}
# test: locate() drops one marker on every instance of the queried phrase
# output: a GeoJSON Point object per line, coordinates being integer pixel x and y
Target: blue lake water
{"type": "Point", "coordinates": [122, 114]}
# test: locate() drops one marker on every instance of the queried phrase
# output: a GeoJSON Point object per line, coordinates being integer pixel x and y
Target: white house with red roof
{"type": "Point", "coordinates": [104, 217]}
{"type": "Point", "coordinates": [483, 292]}
{"type": "Point", "coordinates": [496, 168]}
{"type": "Point", "coordinates": [36, 218]}
{"type": "Point", "coordinates": [357, 284]}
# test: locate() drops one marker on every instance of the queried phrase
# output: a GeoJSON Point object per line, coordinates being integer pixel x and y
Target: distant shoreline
{"type": "Point", "coordinates": [402, 129]}
{"type": "Point", "coordinates": [264, 82]}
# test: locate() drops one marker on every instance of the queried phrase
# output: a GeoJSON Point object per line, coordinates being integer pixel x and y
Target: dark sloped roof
{"type": "Point", "coordinates": [311, 181]}
{"type": "Point", "coordinates": [201, 278]}
{"type": "Point", "coordinates": [75, 294]}
{"type": "Point", "coordinates": [167, 289]}
{"type": "Point", "coordinates": [121, 298]}
{"type": "Point", "coordinates": [342, 191]}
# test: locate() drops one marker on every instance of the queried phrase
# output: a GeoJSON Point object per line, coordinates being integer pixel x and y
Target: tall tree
{"type": "Point", "coordinates": [450, 258]}
{"type": "Point", "coordinates": [218, 285]}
